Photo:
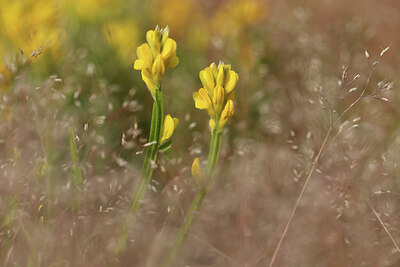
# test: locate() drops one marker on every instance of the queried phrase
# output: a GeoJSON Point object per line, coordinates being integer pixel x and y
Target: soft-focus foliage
{"type": "Point", "coordinates": [75, 118]}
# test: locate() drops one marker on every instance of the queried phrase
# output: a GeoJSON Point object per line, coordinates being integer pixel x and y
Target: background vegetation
{"type": "Point", "coordinates": [74, 116]}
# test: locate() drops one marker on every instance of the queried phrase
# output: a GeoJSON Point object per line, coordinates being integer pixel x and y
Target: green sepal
{"type": "Point", "coordinates": [165, 146]}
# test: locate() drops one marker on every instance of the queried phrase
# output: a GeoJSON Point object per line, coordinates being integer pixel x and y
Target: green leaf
{"type": "Point", "coordinates": [165, 146]}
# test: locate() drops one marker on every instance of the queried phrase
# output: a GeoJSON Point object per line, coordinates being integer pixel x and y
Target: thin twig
{"type": "Point", "coordinates": [384, 227]}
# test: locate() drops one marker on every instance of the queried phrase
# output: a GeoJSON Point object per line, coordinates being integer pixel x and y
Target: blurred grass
{"type": "Point", "coordinates": [63, 114]}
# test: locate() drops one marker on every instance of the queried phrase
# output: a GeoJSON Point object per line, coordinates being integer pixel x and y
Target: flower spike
{"type": "Point", "coordinates": [155, 56]}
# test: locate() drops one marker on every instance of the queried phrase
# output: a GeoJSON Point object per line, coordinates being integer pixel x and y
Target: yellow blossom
{"type": "Point", "coordinates": [145, 60]}
{"type": "Point", "coordinates": [155, 56]}
{"type": "Point", "coordinates": [217, 94]}
{"type": "Point", "coordinates": [158, 69]}
{"type": "Point", "coordinates": [227, 113]}
{"type": "Point", "coordinates": [169, 125]}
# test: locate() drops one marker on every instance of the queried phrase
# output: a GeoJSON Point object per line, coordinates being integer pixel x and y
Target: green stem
{"type": "Point", "coordinates": [213, 156]}
{"type": "Point", "coordinates": [147, 170]}
{"type": "Point", "coordinates": [151, 151]}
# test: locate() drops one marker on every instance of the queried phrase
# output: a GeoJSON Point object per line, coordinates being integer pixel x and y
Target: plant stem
{"type": "Point", "coordinates": [147, 170]}
{"type": "Point", "coordinates": [213, 156]}
{"type": "Point", "coordinates": [151, 151]}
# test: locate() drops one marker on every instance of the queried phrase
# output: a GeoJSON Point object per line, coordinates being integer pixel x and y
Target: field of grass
{"type": "Point", "coordinates": [309, 165]}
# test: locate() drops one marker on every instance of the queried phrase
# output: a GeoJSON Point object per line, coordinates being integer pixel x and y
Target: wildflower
{"type": "Point", "coordinates": [155, 56]}
{"type": "Point", "coordinates": [217, 94]}
{"type": "Point", "coordinates": [169, 125]}
{"type": "Point", "coordinates": [216, 97]}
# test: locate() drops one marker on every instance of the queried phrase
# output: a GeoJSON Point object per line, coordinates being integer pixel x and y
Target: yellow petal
{"type": "Point", "coordinates": [214, 69]}
{"type": "Point", "coordinates": [165, 34]}
{"type": "Point", "coordinates": [231, 81]}
{"type": "Point", "coordinates": [221, 75]}
{"type": "Point", "coordinates": [153, 38]}
{"type": "Point", "coordinates": [173, 62]}
{"type": "Point", "coordinates": [176, 122]}
{"type": "Point", "coordinates": [202, 100]}
{"type": "Point", "coordinates": [168, 128]}
{"type": "Point", "coordinates": [218, 98]}
{"type": "Point", "coordinates": [145, 58]}
{"type": "Point", "coordinates": [198, 102]}
{"type": "Point", "coordinates": [196, 171]}
{"type": "Point", "coordinates": [207, 79]}
{"type": "Point", "coordinates": [169, 49]}
{"type": "Point", "coordinates": [158, 69]}
{"type": "Point", "coordinates": [139, 64]}
{"type": "Point", "coordinates": [226, 114]}
{"type": "Point", "coordinates": [207, 100]}
{"type": "Point", "coordinates": [151, 85]}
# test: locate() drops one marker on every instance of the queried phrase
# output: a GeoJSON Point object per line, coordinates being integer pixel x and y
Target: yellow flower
{"type": "Point", "coordinates": [197, 172]}
{"type": "Point", "coordinates": [169, 125]}
{"type": "Point", "coordinates": [217, 94]}
{"type": "Point", "coordinates": [158, 69]}
{"type": "Point", "coordinates": [207, 79]}
{"type": "Point", "coordinates": [227, 113]}
{"type": "Point", "coordinates": [155, 56]}
{"type": "Point", "coordinates": [202, 101]}
{"type": "Point", "coordinates": [145, 60]}
{"type": "Point", "coordinates": [218, 98]}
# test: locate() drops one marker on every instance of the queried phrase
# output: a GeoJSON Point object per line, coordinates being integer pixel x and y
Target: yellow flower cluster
{"type": "Point", "coordinates": [155, 56]}
{"type": "Point", "coordinates": [217, 94]}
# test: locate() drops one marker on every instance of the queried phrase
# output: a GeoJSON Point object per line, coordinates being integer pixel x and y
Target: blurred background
{"type": "Point", "coordinates": [74, 117]}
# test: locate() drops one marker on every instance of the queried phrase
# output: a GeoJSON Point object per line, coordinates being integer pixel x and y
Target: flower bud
{"type": "Point", "coordinates": [226, 114]}
{"type": "Point", "coordinates": [231, 80]}
{"type": "Point", "coordinates": [221, 75]}
{"type": "Point", "coordinates": [169, 50]}
{"type": "Point", "coordinates": [207, 79]}
{"type": "Point", "coordinates": [158, 69]}
{"type": "Point", "coordinates": [169, 125]}
{"type": "Point", "coordinates": [218, 98]}
{"type": "Point", "coordinates": [153, 39]}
